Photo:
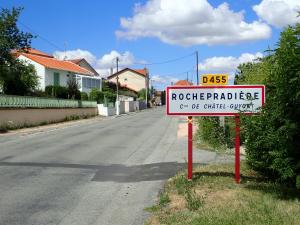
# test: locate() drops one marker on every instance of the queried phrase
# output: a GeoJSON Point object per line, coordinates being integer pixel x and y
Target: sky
{"type": "Point", "coordinates": [161, 35]}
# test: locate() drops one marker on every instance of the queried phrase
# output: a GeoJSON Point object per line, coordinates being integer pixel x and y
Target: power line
{"type": "Point", "coordinates": [164, 62]}
{"type": "Point", "coordinates": [176, 74]}
{"type": "Point", "coordinates": [41, 37]}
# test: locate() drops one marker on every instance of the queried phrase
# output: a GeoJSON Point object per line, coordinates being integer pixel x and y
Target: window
{"type": "Point", "coordinates": [89, 83]}
{"type": "Point", "coordinates": [56, 79]}
{"type": "Point", "coordinates": [84, 82]}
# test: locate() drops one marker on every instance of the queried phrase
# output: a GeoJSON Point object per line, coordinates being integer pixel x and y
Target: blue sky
{"type": "Point", "coordinates": [224, 34]}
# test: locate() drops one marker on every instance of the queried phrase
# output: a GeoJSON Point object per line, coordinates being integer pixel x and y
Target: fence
{"type": "Point", "coordinates": [11, 101]}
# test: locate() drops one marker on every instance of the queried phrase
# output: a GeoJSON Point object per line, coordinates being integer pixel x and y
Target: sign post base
{"type": "Point", "coordinates": [237, 149]}
{"type": "Point", "coordinates": [190, 148]}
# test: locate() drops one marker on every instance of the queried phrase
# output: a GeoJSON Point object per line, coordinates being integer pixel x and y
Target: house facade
{"type": "Point", "coordinates": [52, 71]}
{"type": "Point", "coordinates": [135, 80]}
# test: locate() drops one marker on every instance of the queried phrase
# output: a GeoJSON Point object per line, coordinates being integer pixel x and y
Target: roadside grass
{"type": "Point", "coordinates": [213, 198]}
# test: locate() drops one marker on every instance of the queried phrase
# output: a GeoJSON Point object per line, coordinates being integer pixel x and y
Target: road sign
{"type": "Point", "coordinates": [215, 100]}
{"type": "Point", "coordinates": [214, 79]}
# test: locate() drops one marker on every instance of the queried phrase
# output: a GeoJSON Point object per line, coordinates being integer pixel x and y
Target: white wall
{"type": "Point", "coordinates": [40, 70]}
{"type": "Point", "coordinates": [129, 106]}
{"type": "Point", "coordinates": [132, 80]}
{"type": "Point", "coordinates": [106, 111]}
{"type": "Point", "coordinates": [49, 77]}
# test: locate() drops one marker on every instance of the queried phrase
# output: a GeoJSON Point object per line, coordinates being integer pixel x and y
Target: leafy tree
{"type": "Point", "coordinates": [73, 88]}
{"type": "Point", "coordinates": [254, 72]}
{"type": "Point", "coordinates": [273, 139]}
{"type": "Point", "coordinates": [97, 95]}
{"type": "Point", "coordinates": [15, 77]}
{"type": "Point", "coordinates": [142, 94]}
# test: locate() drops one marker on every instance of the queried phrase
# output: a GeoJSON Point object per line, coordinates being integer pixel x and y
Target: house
{"type": "Point", "coordinates": [52, 71]}
{"type": "Point", "coordinates": [133, 79]}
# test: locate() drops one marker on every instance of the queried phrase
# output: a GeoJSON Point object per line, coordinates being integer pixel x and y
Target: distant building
{"type": "Point", "coordinates": [52, 71]}
{"type": "Point", "coordinates": [183, 83]}
{"type": "Point", "coordinates": [132, 79]}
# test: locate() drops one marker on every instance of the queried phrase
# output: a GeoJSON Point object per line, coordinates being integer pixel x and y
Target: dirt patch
{"type": "Point", "coordinates": [177, 202]}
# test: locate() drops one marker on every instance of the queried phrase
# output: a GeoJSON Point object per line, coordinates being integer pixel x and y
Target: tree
{"type": "Point", "coordinates": [142, 94]}
{"type": "Point", "coordinates": [254, 72]}
{"type": "Point", "coordinates": [273, 139]}
{"type": "Point", "coordinates": [15, 77]}
{"type": "Point", "coordinates": [73, 88]}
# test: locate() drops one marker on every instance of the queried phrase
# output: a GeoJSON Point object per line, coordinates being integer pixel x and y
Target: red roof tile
{"type": "Point", "coordinates": [183, 83]}
{"type": "Point", "coordinates": [32, 52]}
{"type": "Point", "coordinates": [58, 64]}
{"type": "Point", "coordinates": [141, 71]}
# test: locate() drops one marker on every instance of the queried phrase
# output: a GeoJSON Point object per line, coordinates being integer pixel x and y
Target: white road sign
{"type": "Point", "coordinates": [214, 100]}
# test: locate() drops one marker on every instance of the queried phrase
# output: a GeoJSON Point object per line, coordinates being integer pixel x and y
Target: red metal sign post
{"type": "Point", "coordinates": [190, 148]}
{"type": "Point", "coordinates": [237, 149]}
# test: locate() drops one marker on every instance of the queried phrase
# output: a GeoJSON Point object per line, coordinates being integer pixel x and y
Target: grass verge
{"type": "Point", "coordinates": [213, 198]}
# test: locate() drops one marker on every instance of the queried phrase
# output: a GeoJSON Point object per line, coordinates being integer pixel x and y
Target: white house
{"type": "Point", "coordinates": [135, 80]}
{"type": "Point", "coordinates": [52, 71]}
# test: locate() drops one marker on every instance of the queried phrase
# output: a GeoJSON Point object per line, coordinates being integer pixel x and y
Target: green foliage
{"type": "Point", "coordinates": [254, 72]}
{"type": "Point", "coordinates": [97, 95]}
{"type": "Point", "coordinates": [194, 202]}
{"type": "Point", "coordinates": [102, 96]}
{"type": "Point", "coordinates": [57, 91]}
{"type": "Point", "coordinates": [163, 199]}
{"type": "Point", "coordinates": [142, 94]}
{"type": "Point", "coordinates": [84, 96]}
{"type": "Point", "coordinates": [210, 132]}
{"type": "Point", "coordinates": [21, 79]}
{"type": "Point", "coordinates": [127, 92]}
{"type": "Point", "coordinates": [15, 77]}
{"type": "Point", "coordinates": [272, 138]}
{"type": "Point", "coordinates": [73, 88]}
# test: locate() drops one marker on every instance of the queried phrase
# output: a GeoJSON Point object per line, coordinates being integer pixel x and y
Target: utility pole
{"type": "Point", "coordinates": [147, 84]}
{"type": "Point", "coordinates": [118, 107]}
{"type": "Point", "coordinates": [197, 69]}
{"type": "Point", "coordinates": [187, 76]}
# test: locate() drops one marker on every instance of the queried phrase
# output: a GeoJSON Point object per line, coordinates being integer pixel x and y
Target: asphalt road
{"type": "Point", "coordinates": [96, 172]}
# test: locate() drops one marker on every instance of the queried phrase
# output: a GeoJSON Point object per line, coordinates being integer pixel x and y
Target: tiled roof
{"type": "Point", "coordinates": [183, 83]}
{"type": "Point", "coordinates": [58, 64]}
{"type": "Point", "coordinates": [32, 51]}
{"type": "Point", "coordinates": [142, 72]}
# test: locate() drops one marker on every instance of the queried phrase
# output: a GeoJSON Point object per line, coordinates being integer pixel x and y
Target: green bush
{"type": "Point", "coordinates": [57, 91]}
{"type": "Point", "coordinates": [97, 95]}
{"type": "Point", "coordinates": [210, 132]}
{"type": "Point", "coordinates": [109, 96]}
{"type": "Point", "coordinates": [84, 96]}
{"type": "Point", "coordinates": [272, 138]}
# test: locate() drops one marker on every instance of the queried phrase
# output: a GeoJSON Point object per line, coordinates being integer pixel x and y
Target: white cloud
{"type": "Point", "coordinates": [101, 65]}
{"type": "Point", "coordinates": [191, 22]}
{"type": "Point", "coordinates": [158, 79]}
{"type": "Point", "coordinates": [76, 54]}
{"type": "Point", "coordinates": [108, 61]}
{"type": "Point", "coordinates": [226, 64]}
{"type": "Point", "coordinates": [278, 12]}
